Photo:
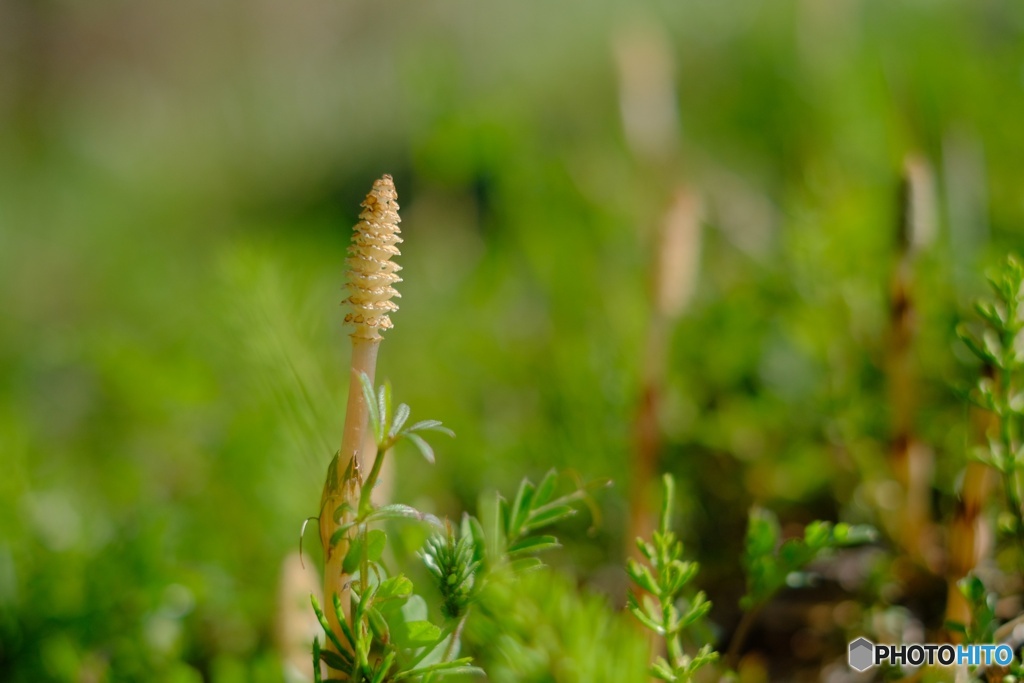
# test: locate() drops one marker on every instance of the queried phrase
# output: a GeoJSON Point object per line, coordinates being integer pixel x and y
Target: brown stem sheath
{"type": "Point", "coordinates": [344, 479]}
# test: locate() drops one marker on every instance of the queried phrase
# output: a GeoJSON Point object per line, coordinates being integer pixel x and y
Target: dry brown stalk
{"type": "Point", "coordinates": [912, 460]}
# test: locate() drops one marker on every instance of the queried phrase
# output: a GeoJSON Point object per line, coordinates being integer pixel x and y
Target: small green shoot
{"type": "Point", "coordinates": [982, 602]}
{"type": "Point", "coordinates": [666, 607]}
{"type": "Point", "coordinates": [771, 564]}
{"type": "Point", "coordinates": [453, 564]}
{"type": "Point", "coordinates": [389, 428]}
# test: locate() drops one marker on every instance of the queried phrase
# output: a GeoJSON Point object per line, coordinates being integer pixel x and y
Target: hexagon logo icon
{"type": "Point", "coordinates": [862, 654]}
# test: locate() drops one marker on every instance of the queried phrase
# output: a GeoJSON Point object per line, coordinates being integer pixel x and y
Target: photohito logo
{"type": "Point", "coordinates": [864, 654]}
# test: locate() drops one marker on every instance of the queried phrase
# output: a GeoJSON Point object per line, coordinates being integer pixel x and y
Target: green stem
{"type": "Point", "coordinates": [371, 481]}
{"type": "Point", "coordinates": [449, 650]}
{"type": "Point", "coordinates": [675, 650]}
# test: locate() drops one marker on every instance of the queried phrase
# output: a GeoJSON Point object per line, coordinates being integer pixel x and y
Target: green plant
{"type": "Point", "coordinates": [527, 624]}
{"type": "Point", "coordinates": [452, 563]}
{"type": "Point", "coordinates": [371, 279]}
{"type": "Point", "coordinates": [541, 626]}
{"type": "Point", "coordinates": [998, 391]}
{"type": "Point", "coordinates": [999, 348]}
{"type": "Point", "coordinates": [771, 563]}
{"type": "Point", "coordinates": [983, 623]}
{"type": "Point", "coordinates": [666, 607]}
{"type": "Point", "coordinates": [377, 629]}
{"type": "Point", "coordinates": [510, 528]}
{"type": "Point", "coordinates": [385, 634]}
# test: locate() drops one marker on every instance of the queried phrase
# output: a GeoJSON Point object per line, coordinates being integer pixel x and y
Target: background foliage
{"type": "Point", "coordinates": [177, 184]}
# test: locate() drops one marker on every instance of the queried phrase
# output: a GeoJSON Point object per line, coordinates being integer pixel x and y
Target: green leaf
{"type": "Point", "coordinates": [642, 576]}
{"type": "Point", "coordinates": [376, 540]}
{"type": "Point", "coordinates": [399, 511]}
{"type": "Point", "coordinates": [371, 543]}
{"type": "Point", "coordinates": [395, 587]}
{"type": "Point", "coordinates": [762, 533]}
{"type": "Point", "coordinates": [546, 488]}
{"type": "Point", "coordinates": [643, 617]}
{"type": "Point", "coordinates": [384, 667]}
{"type": "Point", "coordinates": [956, 627]}
{"type": "Point", "coordinates": [795, 553]}
{"type": "Point", "coordinates": [666, 503]}
{"type": "Point", "coordinates": [662, 671]}
{"type": "Point", "coordinates": [458, 666]}
{"type": "Point", "coordinates": [982, 352]}
{"type": "Point", "coordinates": [532, 544]}
{"type": "Point", "coordinates": [430, 425]}
{"type": "Point", "coordinates": [415, 609]}
{"type": "Point", "coordinates": [547, 517]}
{"type": "Point", "coordinates": [420, 634]}
{"type": "Point", "coordinates": [401, 415]}
{"type": "Point", "coordinates": [378, 625]}
{"type": "Point", "coordinates": [990, 338]}
{"type": "Point", "coordinates": [343, 623]}
{"type": "Point", "coordinates": [854, 534]}
{"type": "Point", "coordinates": [489, 506]}
{"type": "Point", "coordinates": [425, 450]}
{"type": "Point", "coordinates": [339, 661]}
{"type": "Point", "coordinates": [472, 528]}
{"type": "Point", "coordinates": [520, 509]}
{"type": "Point", "coordinates": [525, 564]}
{"type": "Point", "coordinates": [384, 409]}
{"type": "Point", "coordinates": [340, 533]}
{"type": "Point", "coordinates": [342, 510]}
{"type": "Point", "coordinates": [698, 608]}
{"type": "Point", "coordinates": [372, 407]}
{"type": "Point", "coordinates": [323, 623]}
{"type": "Point", "coordinates": [409, 625]}
{"type": "Point", "coordinates": [316, 660]}
{"type": "Point", "coordinates": [993, 315]}
{"type": "Point", "coordinates": [817, 534]}
{"type": "Point", "coordinates": [972, 588]}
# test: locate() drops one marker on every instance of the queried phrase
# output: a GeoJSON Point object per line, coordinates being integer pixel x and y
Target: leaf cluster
{"type": "Point", "coordinates": [389, 427]}
{"type": "Point", "coordinates": [453, 562]}
{"type": "Point", "coordinates": [771, 564]}
{"type": "Point", "coordinates": [388, 636]}
{"type": "Point", "coordinates": [510, 528]}
{"type": "Point", "coordinates": [1000, 347]}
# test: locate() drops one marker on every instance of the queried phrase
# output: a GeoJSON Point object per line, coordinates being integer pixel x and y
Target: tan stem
{"type": "Point", "coordinates": [353, 440]}
{"type": "Point", "coordinates": [344, 479]}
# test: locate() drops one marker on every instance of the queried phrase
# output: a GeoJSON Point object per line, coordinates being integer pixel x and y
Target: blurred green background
{"type": "Point", "coordinates": [178, 181]}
